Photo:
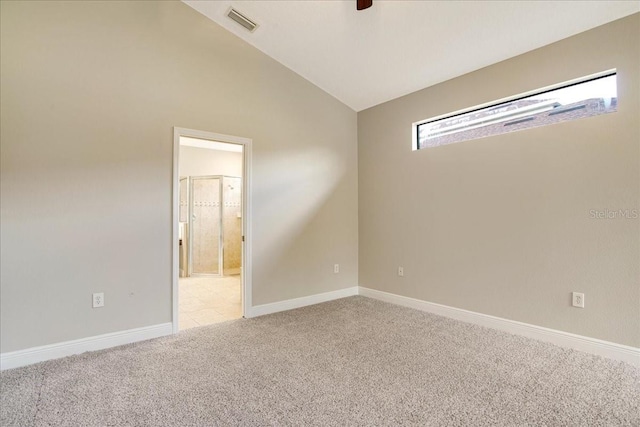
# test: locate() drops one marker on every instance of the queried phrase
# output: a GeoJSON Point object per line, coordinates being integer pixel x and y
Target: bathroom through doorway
{"type": "Point", "coordinates": [210, 232]}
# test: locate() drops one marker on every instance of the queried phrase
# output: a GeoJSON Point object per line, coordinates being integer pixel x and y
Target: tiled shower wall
{"type": "Point", "coordinates": [232, 224]}
{"type": "Point", "coordinates": [205, 226]}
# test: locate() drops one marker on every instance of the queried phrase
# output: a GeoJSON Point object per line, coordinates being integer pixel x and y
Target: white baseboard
{"type": "Point", "coordinates": [290, 304]}
{"type": "Point", "coordinates": [15, 359]}
{"type": "Point", "coordinates": [608, 349]}
{"type": "Point", "coordinates": [565, 339]}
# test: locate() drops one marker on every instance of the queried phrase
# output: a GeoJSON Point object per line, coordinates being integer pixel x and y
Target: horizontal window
{"type": "Point", "coordinates": [589, 96]}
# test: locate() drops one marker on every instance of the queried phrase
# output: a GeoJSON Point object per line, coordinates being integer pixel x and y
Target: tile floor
{"type": "Point", "coordinates": [207, 300]}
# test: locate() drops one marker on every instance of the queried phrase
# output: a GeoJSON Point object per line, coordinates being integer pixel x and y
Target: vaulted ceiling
{"type": "Point", "coordinates": [364, 58]}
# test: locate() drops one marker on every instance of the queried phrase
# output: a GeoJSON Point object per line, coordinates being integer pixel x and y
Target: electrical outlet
{"type": "Point", "coordinates": [401, 271]}
{"type": "Point", "coordinates": [336, 268]}
{"type": "Point", "coordinates": [98, 300]}
{"type": "Point", "coordinates": [577, 299]}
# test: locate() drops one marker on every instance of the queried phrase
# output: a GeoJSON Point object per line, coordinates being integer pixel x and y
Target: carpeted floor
{"type": "Point", "coordinates": [354, 361]}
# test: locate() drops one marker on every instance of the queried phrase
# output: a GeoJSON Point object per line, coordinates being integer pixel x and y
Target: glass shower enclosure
{"type": "Point", "coordinates": [211, 222]}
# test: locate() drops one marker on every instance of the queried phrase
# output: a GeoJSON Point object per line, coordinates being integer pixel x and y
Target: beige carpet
{"type": "Point", "coordinates": [354, 361]}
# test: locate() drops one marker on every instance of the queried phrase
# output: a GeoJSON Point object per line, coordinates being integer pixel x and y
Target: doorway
{"type": "Point", "coordinates": [211, 274]}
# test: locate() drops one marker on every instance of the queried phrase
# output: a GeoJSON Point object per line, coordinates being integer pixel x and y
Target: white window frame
{"type": "Point", "coordinates": [415, 126]}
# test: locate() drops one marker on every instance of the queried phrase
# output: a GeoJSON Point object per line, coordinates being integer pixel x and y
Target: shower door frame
{"type": "Point", "coordinates": [220, 272]}
{"type": "Point", "coordinates": [190, 227]}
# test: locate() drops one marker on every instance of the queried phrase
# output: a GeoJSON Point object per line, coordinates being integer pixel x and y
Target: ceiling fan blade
{"type": "Point", "coordinates": [363, 4]}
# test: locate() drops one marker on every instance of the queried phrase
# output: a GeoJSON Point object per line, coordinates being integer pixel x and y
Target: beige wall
{"type": "Point", "coordinates": [502, 225]}
{"type": "Point", "coordinates": [90, 94]}
{"type": "Point", "coordinates": [202, 161]}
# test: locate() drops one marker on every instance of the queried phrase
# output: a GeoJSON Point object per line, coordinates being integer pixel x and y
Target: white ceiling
{"type": "Point", "coordinates": [396, 47]}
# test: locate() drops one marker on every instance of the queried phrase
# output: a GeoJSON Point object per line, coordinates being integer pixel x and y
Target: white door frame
{"type": "Point", "coordinates": [246, 213]}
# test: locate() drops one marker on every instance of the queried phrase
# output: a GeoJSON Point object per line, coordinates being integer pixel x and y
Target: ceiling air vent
{"type": "Point", "coordinates": [242, 20]}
